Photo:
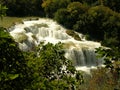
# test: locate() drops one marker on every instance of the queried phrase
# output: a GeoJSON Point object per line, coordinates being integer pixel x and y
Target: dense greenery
{"type": "Point", "coordinates": [51, 6]}
{"type": "Point", "coordinates": [43, 68]}
{"type": "Point", "coordinates": [69, 14]}
{"type": "Point", "coordinates": [51, 70]}
{"type": "Point", "coordinates": [23, 7]}
{"type": "Point", "coordinates": [99, 22]}
{"type": "Point", "coordinates": [2, 11]}
{"type": "Point", "coordinates": [14, 73]}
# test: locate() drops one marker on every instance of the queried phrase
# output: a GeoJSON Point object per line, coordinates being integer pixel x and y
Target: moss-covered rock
{"type": "Point", "coordinates": [73, 34]}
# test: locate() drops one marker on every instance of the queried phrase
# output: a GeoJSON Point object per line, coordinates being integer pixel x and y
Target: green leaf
{"type": "Point", "coordinates": [13, 76]}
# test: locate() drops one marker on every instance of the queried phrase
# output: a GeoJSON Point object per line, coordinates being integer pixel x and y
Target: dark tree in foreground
{"type": "Point", "coordinates": [13, 69]}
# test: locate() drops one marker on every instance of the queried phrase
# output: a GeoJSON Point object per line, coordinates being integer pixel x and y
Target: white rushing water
{"type": "Point", "coordinates": [30, 33]}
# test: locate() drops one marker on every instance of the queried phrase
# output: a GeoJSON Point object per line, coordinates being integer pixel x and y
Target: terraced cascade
{"type": "Point", "coordinates": [31, 32]}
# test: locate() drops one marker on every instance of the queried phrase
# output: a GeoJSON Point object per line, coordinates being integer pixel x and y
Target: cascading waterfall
{"type": "Point", "coordinates": [82, 57]}
{"type": "Point", "coordinates": [30, 33]}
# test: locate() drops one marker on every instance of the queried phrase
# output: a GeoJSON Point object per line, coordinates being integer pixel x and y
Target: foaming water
{"type": "Point", "coordinates": [30, 33]}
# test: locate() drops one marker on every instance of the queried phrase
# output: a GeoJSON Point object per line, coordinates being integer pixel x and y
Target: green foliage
{"type": "Point", "coordinates": [2, 11]}
{"type": "Point", "coordinates": [100, 23]}
{"type": "Point", "coordinates": [47, 68]}
{"type": "Point", "coordinates": [67, 16]}
{"type": "Point", "coordinates": [113, 4]}
{"type": "Point", "coordinates": [24, 7]}
{"type": "Point", "coordinates": [50, 69]}
{"type": "Point", "coordinates": [88, 2]}
{"type": "Point", "coordinates": [52, 61]}
{"type": "Point", "coordinates": [62, 16]}
{"type": "Point", "coordinates": [13, 69]}
{"type": "Point", "coordinates": [51, 6]}
{"type": "Point", "coordinates": [87, 37]}
{"type": "Point", "coordinates": [112, 56]}
{"type": "Point", "coordinates": [75, 9]}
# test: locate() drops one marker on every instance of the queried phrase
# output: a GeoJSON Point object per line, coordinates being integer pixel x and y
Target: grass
{"type": "Point", "coordinates": [9, 21]}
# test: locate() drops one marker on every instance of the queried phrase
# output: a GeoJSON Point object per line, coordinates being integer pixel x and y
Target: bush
{"type": "Point", "coordinates": [51, 70]}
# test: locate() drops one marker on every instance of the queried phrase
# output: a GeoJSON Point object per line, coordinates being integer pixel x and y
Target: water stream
{"type": "Point", "coordinates": [30, 33]}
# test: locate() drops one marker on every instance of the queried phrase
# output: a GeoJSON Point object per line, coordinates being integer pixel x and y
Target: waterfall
{"type": "Point", "coordinates": [30, 33]}
{"type": "Point", "coordinates": [82, 57]}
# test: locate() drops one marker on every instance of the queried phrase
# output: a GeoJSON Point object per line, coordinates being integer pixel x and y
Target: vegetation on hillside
{"type": "Point", "coordinates": [51, 70]}
{"type": "Point", "coordinates": [14, 73]}
{"type": "Point", "coordinates": [43, 68]}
